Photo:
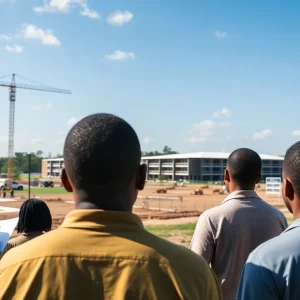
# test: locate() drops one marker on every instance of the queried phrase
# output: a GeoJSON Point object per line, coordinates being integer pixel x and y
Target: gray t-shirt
{"type": "Point", "coordinates": [226, 234]}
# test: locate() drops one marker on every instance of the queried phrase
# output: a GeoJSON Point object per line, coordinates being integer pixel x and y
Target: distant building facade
{"type": "Point", "coordinates": [202, 166]}
{"type": "Point", "coordinates": [51, 167]}
{"type": "Point", "coordinates": [199, 166]}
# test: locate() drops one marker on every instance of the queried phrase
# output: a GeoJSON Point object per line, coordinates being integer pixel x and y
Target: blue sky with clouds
{"type": "Point", "coordinates": [194, 75]}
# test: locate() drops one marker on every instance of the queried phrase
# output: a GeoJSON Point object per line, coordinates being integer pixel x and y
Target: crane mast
{"type": "Point", "coordinates": [11, 130]}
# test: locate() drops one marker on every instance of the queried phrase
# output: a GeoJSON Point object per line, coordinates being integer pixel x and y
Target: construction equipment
{"type": "Point", "coordinates": [216, 191]}
{"type": "Point", "coordinates": [204, 187]}
{"type": "Point", "coordinates": [160, 191]}
{"type": "Point", "coordinates": [197, 192]}
{"type": "Point", "coordinates": [172, 187]}
{"type": "Point", "coordinates": [12, 99]}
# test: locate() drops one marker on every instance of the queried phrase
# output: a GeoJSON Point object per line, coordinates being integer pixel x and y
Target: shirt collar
{"type": "Point", "coordinates": [242, 194]}
{"type": "Point", "coordinates": [102, 220]}
{"type": "Point", "coordinates": [295, 224]}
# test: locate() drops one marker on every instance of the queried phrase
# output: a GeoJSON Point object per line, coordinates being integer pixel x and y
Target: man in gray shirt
{"type": "Point", "coordinates": [226, 234]}
{"type": "Point", "coordinates": [272, 271]}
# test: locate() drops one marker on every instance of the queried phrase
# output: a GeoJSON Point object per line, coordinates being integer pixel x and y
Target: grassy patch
{"type": "Point", "coordinates": [166, 231]}
{"type": "Point", "coordinates": [43, 191]}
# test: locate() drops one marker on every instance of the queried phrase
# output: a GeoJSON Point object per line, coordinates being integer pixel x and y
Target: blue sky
{"type": "Point", "coordinates": [194, 75]}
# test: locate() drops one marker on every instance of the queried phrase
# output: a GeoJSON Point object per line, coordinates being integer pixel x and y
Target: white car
{"type": "Point", "coordinates": [15, 185]}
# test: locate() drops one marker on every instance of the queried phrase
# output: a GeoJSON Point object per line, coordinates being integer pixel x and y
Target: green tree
{"type": "Point", "coordinates": [39, 153]}
{"type": "Point", "coordinates": [16, 174]}
{"type": "Point", "coordinates": [166, 150]}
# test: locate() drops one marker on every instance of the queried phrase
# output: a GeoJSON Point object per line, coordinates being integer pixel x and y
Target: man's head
{"type": "Point", "coordinates": [34, 216]}
{"type": "Point", "coordinates": [243, 170]}
{"type": "Point", "coordinates": [102, 157]}
{"type": "Point", "coordinates": [291, 179]}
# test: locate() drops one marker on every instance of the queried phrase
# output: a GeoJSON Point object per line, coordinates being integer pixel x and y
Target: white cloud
{"type": "Point", "coordinates": [220, 35]}
{"type": "Point", "coordinates": [32, 32]}
{"type": "Point", "coordinates": [119, 18]}
{"type": "Point", "coordinates": [37, 140]}
{"type": "Point", "coordinates": [14, 49]}
{"type": "Point", "coordinates": [61, 133]}
{"type": "Point", "coordinates": [120, 56]}
{"type": "Point", "coordinates": [296, 133]}
{"type": "Point", "coordinates": [86, 11]}
{"type": "Point", "coordinates": [72, 121]}
{"type": "Point", "coordinates": [261, 135]}
{"type": "Point", "coordinates": [205, 128]}
{"type": "Point", "coordinates": [4, 37]}
{"type": "Point", "coordinates": [148, 140]}
{"type": "Point", "coordinates": [36, 107]}
{"type": "Point", "coordinates": [224, 112]}
{"type": "Point", "coordinates": [54, 6]}
{"type": "Point", "coordinates": [64, 6]}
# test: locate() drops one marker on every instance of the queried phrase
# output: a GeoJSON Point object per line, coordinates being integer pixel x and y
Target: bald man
{"type": "Point", "coordinates": [226, 234]}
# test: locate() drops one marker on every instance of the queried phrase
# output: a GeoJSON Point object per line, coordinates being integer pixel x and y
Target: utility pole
{"type": "Point", "coordinates": [29, 174]}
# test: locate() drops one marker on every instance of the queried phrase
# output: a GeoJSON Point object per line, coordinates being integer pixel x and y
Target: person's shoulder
{"type": "Point", "coordinates": [29, 251]}
{"type": "Point", "coordinates": [272, 251]}
{"type": "Point", "coordinates": [270, 208]}
{"type": "Point", "coordinates": [176, 256]}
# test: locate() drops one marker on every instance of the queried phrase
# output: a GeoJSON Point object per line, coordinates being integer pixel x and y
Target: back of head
{"type": "Point", "coordinates": [34, 215]}
{"type": "Point", "coordinates": [244, 167]}
{"type": "Point", "coordinates": [291, 166]}
{"type": "Point", "coordinates": [102, 151]}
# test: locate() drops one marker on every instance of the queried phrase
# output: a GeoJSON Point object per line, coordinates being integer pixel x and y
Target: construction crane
{"type": "Point", "coordinates": [12, 100]}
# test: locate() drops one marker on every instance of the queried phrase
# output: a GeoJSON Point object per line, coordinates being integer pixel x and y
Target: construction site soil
{"type": "Point", "coordinates": [175, 204]}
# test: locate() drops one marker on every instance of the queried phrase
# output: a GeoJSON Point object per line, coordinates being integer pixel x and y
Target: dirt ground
{"type": "Point", "coordinates": [173, 211]}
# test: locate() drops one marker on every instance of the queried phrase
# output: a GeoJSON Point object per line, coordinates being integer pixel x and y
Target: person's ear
{"type": "Point", "coordinates": [65, 181]}
{"type": "Point", "coordinates": [226, 175]}
{"type": "Point", "coordinates": [141, 178]}
{"type": "Point", "coordinates": [258, 179]}
{"type": "Point", "coordinates": [288, 189]}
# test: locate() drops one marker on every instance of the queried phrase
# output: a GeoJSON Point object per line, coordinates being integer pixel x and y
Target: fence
{"type": "Point", "coordinates": [159, 203]}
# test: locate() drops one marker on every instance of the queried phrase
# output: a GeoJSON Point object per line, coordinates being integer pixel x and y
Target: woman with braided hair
{"type": "Point", "coordinates": [34, 220]}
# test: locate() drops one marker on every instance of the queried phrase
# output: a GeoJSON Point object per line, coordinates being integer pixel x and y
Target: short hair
{"type": "Point", "coordinates": [291, 166]}
{"type": "Point", "coordinates": [34, 215]}
{"type": "Point", "coordinates": [101, 149]}
{"type": "Point", "coordinates": [244, 166]}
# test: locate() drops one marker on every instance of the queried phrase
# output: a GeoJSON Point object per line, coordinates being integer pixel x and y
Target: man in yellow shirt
{"type": "Point", "coordinates": [102, 251]}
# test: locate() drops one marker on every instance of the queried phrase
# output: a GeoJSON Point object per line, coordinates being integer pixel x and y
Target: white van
{"type": "Point", "coordinates": [8, 183]}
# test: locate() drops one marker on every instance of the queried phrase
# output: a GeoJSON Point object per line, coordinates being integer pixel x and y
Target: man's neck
{"type": "Point", "coordinates": [102, 200]}
{"type": "Point", "coordinates": [236, 188]}
{"type": "Point", "coordinates": [90, 205]}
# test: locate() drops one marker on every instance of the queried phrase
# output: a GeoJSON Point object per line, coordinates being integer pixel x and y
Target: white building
{"type": "Point", "coordinates": [199, 166]}
{"type": "Point", "coordinates": [202, 166]}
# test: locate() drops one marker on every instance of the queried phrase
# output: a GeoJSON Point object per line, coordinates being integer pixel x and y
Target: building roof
{"type": "Point", "coordinates": [53, 159]}
{"type": "Point", "coordinates": [212, 155]}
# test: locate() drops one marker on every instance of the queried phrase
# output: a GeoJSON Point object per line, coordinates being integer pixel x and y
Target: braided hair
{"type": "Point", "coordinates": [34, 215]}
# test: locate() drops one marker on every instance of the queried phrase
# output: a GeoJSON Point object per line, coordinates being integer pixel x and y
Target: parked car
{"type": "Point", "coordinates": [46, 184]}
{"type": "Point", "coordinates": [15, 185]}
{"type": "Point", "coordinates": [34, 183]}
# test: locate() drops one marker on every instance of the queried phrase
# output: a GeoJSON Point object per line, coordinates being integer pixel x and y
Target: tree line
{"type": "Point", "coordinates": [21, 162]}
{"type": "Point", "coordinates": [166, 150]}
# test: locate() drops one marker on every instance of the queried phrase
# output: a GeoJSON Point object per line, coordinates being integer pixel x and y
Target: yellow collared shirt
{"type": "Point", "coordinates": [104, 255]}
